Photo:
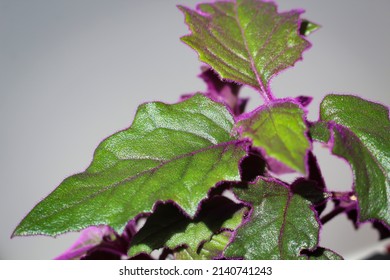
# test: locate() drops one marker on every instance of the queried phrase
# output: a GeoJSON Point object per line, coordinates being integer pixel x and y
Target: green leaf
{"type": "Point", "coordinates": [167, 227]}
{"type": "Point", "coordinates": [361, 135]}
{"type": "Point", "coordinates": [324, 254]}
{"type": "Point", "coordinates": [279, 128]}
{"type": "Point", "coordinates": [207, 251]}
{"type": "Point", "coordinates": [319, 132]}
{"type": "Point", "coordinates": [246, 41]}
{"type": "Point", "coordinates": [171, 152]}
{"type": "Point", "coordinates": [281, 225]}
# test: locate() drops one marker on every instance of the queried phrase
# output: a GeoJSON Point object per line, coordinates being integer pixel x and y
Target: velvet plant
{"type": "Point", "coordinates": [201, 178]}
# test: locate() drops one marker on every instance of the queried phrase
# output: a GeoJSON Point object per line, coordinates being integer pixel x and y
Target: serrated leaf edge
{"type": "Point", "coordinates": [264, 91]}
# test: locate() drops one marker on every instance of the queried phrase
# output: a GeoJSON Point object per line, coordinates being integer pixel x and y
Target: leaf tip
{"type": "Point", "coordinates": [182, 8]}
{"type": "Point", "coordinates": [306, 27]}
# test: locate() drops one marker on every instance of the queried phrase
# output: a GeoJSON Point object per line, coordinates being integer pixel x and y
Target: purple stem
{"type": "Point", "coordinates": [347, 201]}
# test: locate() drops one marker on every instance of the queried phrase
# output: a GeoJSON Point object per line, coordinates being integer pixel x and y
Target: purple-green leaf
{"type": "Point", "coordinates": [361, 135]}
{"type": "Point", "coordinates": [280, 130]}
{"type": "Point", "coordinates": [170, 153]}
{"type": "Point", "coordinates": [222, 91]}
{"type": "Point", "coordinates": [246, 41]}
{"type": "Point", "coordinates": [89, 238]}
{"type": "Point", "coordinates": [281, 225]}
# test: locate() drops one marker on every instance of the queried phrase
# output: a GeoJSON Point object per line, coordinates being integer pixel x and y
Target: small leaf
{"type": "Point", "coordinates": [89, 238]}
{"type": "Point", "coordinates": [304, 100]}
{"type": "Point", "coordinates": [308, 27]}
{"type": "Point", "coordinates": [279, 128]}
{"type": "Point", "coordinates": [101, 243]}
{"type": "Point", "coordinates": [246, 41]}
{"type": "Point", "coordinates": [215, 85]}
{"type": "Point", "coordinates": [281, 225]}
{"type": "Point", "coordinates": [169, 228]}
{"type": "Point", "coordinates": [209, 250]}
{"type": "Point", "coordinates": [171, 152]}
{"type": "Point", "coordinates": [222, 91]}
{"type": "Point", "coordinates": [361, 135]}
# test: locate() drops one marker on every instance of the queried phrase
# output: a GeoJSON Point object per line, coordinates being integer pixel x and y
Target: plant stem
{"type": "Point", "coordinates": [347, 201]}
{"type": "Point", "coordinates": [343, 196]}
{"type": "Point", "coordinates": [332, 214]}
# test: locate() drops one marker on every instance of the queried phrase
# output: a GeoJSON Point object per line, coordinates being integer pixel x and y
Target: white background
{"type": "Point", "coordinates": [73, 72]}
{"type": "Point", "coordinates": [59, 270]}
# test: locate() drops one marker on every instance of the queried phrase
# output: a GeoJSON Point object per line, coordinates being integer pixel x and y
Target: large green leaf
{"type": "Point", "coordinates": [281, 225]}
{"type": "Point", "coordinates": [169, 228]}
{"type": "Point", "coordinates": [171, 152]}
{"type": "Point", "coordinates": [361, 135]}
{"type": "Point", "coordinates": [280, 129]}
{"type": "Point", "coordinates": [246, 41]}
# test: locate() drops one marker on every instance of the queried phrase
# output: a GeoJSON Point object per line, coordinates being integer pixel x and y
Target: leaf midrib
{"type": "Point", "coordinates": [284, 221]}
{"type": "Point", "coordinates": [251, 59]}
{"type": "Point", "coordinates": [152, 170]}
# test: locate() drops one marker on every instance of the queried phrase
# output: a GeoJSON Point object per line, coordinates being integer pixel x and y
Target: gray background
{"type": "Point", "coordinates": [73, 72]}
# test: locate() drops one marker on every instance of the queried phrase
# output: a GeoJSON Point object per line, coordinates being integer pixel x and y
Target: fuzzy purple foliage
{"type": "Point", "coordinates": [244, 43]}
